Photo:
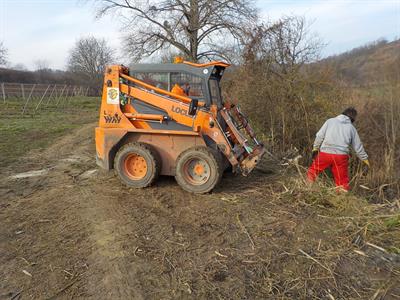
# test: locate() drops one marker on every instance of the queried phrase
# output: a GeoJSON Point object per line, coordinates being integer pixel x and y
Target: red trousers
{"type": "Point", "coordinates": [338, 163]}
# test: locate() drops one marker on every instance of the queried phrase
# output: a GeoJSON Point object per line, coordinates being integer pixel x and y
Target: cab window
{"type": "Point", "coordinates": [215, 91]}
{"type": "Point", "coordinates": [195, 83]}
{"type": "Point", "coordinates": [159, 80]}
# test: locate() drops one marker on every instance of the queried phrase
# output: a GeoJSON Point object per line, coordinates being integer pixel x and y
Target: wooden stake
{"type": "Point", "coordinates": [51, 94]}
{"type": "Point", "coordinates": [41, 99]}
{"type": "Point", "coordinates": [27, 100]}
{"type": "Point", "coordinates": [70, 97]}
{"type": "Point", "coordinates": [22, 91]}
{"type": "Point", "coordinates": [4, 93]}
{"type": "Point", "coordinates": [62, 92]}
{"type": "Point", "coordinates": [67, 95]}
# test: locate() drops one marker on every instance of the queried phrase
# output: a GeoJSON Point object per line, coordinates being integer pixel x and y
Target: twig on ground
{"type": "Point", "coordinates": [172, 242]}
{"type": "Point", "coordinates": [376, 294]}
{"type": "Point", "coordinates": [330, 296]}
{"type": "Point", "coordinates": [17, 295]}
{"type": "Point", "coordinates": [316, 261]}
{"type": "Point", "coordinates": [361, 253]}
{"type": "Point", "coordinates": [360, 217]}
{"type": "Point", "coordinates": [245, 231]}
{"type": "Point", "coordinates": [376, 247]}
{"type": "Point", "coordinates": [166, 258]}
{"type": "Point", "coordinates": [69, 273]}
{"type": "Point", "coordinates": [313, 259]}
{"type": "Point", "coordinates": [219, 254]}
{"type": "Point", "coordinates": [29, 263]}
{"type": "Point", "coordinates": [55, 296]}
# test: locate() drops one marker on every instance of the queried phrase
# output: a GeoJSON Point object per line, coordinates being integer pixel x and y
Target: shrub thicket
{"type": "Point", "coordinates": [288, 95]}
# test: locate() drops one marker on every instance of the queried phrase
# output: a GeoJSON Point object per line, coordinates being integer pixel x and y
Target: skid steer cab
{"type": "Point", "coordinates": [170, 119]}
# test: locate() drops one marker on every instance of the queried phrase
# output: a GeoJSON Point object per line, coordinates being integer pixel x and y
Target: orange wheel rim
{"type": "Point", "coordinates": [196, 171]}
{"type": "Point", "coordinates": [135, 166]}
{"type": "Point", "coordinates": [199, 169]}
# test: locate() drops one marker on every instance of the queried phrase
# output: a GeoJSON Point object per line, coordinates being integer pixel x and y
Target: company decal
{"type": "Point", "coordinates": [112, 95]}
{"type": "Point", "coordinates": [179, 110]}
{"type": "Point", "coordinates": [112, 118]}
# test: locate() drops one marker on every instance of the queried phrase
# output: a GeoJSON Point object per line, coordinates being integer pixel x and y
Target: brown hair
{"type": "Point", "coordinates": [351, 112]}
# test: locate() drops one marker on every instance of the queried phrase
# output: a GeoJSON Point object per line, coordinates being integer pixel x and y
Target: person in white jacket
{"type": "Point", "coordinates": [331, 148]}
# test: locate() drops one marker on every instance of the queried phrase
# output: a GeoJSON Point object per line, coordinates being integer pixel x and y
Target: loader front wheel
{"type": "Point", "coordinates": [136, 165]}
{"type": "Point", "coordinates": [198, 170]}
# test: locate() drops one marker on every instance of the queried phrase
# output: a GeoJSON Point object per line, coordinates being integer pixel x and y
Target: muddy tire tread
{"type": "Point", "coordinates": [155, 164]}
{"type": "Point", "coordinates": [216, 161]}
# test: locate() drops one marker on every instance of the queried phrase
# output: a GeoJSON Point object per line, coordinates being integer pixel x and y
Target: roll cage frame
{"type": "Point", "coordinates": [206, 73]}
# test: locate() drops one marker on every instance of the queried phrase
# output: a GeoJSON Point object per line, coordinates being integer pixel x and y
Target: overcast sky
{"type": "Point", "coordinates": [46, 29]}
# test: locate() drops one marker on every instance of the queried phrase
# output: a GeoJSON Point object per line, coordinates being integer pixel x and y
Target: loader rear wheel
{"type": "Point", "coordinates": [198, 170]}
{"type": "Point", "coordinates": [136, 165]}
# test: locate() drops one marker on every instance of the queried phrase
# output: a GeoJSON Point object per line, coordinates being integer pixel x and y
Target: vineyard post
{"type": "Point", "coordinates": [22, 91]}
{"type": "Point", "coordinates": [41, 99]}
{"type": "Point", "coordinates": [62, 93]}
{"type": "Point", "coordinates": [56, 91]}
{"type": "Point", "coordinates": [51, 94]}
{"type": "Point", "coordinates": [4, 93]}
{"type": "Point", "coordinates": [69, 96]}
{"type": "Point", "coordinates": [30, 93]}
{"type": "Point", "coordinates": [27, 100]}
{"type": "Point", "coordinates": [72, 95]}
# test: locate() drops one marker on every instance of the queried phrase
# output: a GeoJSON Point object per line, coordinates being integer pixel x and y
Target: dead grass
{"type": "Point", "coordinates": [265, 236]}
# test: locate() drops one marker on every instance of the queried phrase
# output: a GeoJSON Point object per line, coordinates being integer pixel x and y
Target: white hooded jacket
{"type": "Point", "coordinates": [336, 135]}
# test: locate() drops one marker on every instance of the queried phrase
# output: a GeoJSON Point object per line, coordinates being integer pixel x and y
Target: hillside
{"type": "Point", "coordinates": [373, 63]}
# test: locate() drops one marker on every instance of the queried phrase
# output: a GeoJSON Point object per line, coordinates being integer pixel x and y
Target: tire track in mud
{"type": "Point", "coordinates": [80, 198]}
{"type": "Point", "coordinates": [110, 275]}
{"type": "Point", "coordinates": [113, 273]}
{"type": "Point", "coordinates": [90, 237]}
{"type": "Point", "coordinates": [132, 232]}
{"type": "Point", "coordinates": [135, 238]}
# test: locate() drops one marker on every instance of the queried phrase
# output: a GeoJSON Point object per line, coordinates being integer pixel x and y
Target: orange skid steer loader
{"type": "Point", "coordinates": [170, 119]}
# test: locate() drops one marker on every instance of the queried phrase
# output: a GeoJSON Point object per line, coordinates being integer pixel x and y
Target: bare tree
{"type": "Point", "coordinates": [41, 64]}
{"type": "Point", "coordinates": [195, 28]}
{"type": "Point", "coordinates": [286, 45]}
{"type": "Point", "coordinates": [3, 54]}
{"type": "Point", "coordinates": [42, 70]}
{"type": "Point", "coordinates": [278, 73]}
{"type": "Point", "coordinates": [88, 59]}
{"type": "Point", "coordinates": [19, 67]}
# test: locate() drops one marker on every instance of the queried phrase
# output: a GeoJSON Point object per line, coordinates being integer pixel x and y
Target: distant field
{"type": "Point", "coordinates": [37, 130]}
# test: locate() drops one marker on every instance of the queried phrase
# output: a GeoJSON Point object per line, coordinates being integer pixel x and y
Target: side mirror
{"type": "Point", "coordinates": [194, 104]}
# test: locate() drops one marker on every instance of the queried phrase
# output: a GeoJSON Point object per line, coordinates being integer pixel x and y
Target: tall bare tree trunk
{"type": "Point", "coordinates": [193, 29]}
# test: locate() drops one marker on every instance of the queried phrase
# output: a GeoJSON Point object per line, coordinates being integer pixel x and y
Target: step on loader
{"type": "Point", "coordinates": [170, 119]}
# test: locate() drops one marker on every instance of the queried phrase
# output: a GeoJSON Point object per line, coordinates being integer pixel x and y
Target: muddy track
{"type": "Point", "coordinates": [75, 232]}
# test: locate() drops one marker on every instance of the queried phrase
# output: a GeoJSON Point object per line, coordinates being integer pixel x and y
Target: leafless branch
{"type": "Point", "coordinates": [188, 26]}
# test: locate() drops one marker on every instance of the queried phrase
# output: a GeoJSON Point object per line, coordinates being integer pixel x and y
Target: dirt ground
{"type": "Point", "coordinates": [73, 231]}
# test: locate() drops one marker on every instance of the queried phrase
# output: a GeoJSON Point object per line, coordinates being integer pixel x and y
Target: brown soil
{"type": "Point", "coordinates": [76, 232]}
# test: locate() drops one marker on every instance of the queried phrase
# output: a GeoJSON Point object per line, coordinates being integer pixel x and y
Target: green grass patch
{"type": "Point", "coordinates": [21, 133]}
{"type": "Point", "coordinates": [392, 222]}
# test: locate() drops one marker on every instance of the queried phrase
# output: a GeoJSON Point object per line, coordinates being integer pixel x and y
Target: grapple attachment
{"type": "Point", "coordinates": [238, 130]}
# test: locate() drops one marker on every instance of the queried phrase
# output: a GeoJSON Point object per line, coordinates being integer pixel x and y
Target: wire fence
{"type": "Point", "coordinates": [33, 97]}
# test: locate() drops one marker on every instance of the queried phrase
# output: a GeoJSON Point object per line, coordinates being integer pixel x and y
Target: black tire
{"type": "Point", "coordinates": [147, 155]}
{"type": "Point", "coordinates": [209, 162]}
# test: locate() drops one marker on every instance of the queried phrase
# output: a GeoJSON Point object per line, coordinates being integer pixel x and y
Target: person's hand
{"type": "Point", "coordinates": [314, 152]}
{"type": "Point", "coordinates": [366, 166]}
{"type": "Point", "coordinates": [366, 162]}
